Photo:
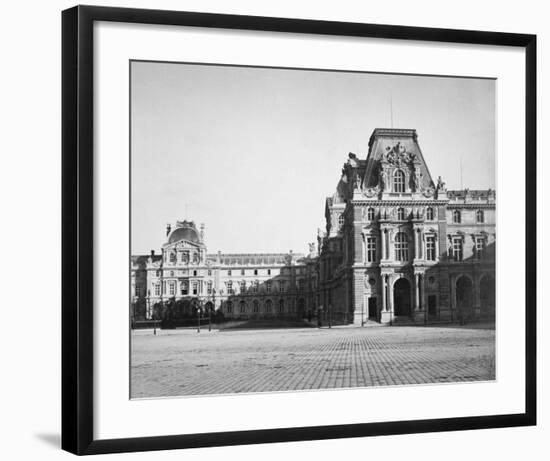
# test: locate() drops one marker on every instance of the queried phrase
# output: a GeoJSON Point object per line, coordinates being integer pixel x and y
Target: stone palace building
{"type": "Point", "coordinates": [398, 248]}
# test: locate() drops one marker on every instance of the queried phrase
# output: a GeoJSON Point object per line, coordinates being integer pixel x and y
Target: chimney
{"type": "Point", "coordinates": [168, 229]}
{"type": "Point", "coordinates": [152, 254]}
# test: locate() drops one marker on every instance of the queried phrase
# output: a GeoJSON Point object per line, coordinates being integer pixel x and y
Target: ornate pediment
{"type": "Point", "coordinates": [397, 152]}
{"type": "Point", "coordinates": [398, 155]}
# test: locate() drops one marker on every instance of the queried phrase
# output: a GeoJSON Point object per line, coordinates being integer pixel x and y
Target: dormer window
{"type": "Point", "coordinates": [370, 214]}
{"type": "Point", "coordinates": [399, 181]}
{"type": "Point", "coordinates": [457, 218]}
{"type": "Point", "coordinates": [430, 214]}
{"type": "Point", "coordinates": [480, 217]}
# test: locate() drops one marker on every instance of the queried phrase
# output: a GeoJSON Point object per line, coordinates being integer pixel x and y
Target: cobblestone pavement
{"type": "Point", "coordinates": [182, 362]}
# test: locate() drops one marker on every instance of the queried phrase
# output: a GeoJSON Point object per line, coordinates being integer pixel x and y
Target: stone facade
{"type": "Point", "coordinates": [241, 286]}
{"type": "Point", "coordinates": [398, 248]}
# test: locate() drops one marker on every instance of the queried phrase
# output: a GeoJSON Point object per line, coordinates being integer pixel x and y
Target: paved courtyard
{"type": "Point", "coordinates": [183, 362]}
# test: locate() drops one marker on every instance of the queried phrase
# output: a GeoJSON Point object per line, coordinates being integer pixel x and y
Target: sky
{"type": "Point", "coordinates": [252, 152]}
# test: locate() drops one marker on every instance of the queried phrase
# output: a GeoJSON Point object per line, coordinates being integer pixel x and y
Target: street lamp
{"type": "Point", "coordinates": [209, 318]}
{"type": "Point", "coordinates": [198, 318]}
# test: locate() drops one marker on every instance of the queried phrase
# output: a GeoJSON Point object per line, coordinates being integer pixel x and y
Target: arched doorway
{"type": "Point", "coordinates": [464, 297]}
{"type": "Point", "coordinates": [402, 297]}
{"type": "Point", "coordinates": [487, 296]}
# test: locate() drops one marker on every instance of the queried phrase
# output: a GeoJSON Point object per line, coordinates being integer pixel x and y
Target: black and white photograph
{"type": "Point", "coordinates": [275, 230]}
{"type": "Point", "coordinates": [307, 229]}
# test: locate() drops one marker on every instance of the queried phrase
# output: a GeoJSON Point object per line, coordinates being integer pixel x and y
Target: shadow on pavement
{"type": "Point", "coordinates": [265, 325]}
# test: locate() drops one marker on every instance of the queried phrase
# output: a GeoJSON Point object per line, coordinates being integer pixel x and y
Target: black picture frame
{"type": "Point", "coordinates": [77, 228]}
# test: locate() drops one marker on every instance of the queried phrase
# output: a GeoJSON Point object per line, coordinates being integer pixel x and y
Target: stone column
{"type": "Point", "coordinates": [417, 291]}
{"type": "Point", "coordinates": [383, 235]}
{"type": "Point", "coordinates": [452, 296]}
{"type": "Point", "coordinates": [384, 293]}
{"type": "Point", "coordinates": [477, 297]}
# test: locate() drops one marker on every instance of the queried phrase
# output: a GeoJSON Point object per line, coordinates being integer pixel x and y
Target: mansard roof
{"type": "Point", "coordinates": [141, 261]}
{"type": "Point", "coordinates": [471, 194]}
{"type": "Point", "coordinates": [242, 259]}
{"type": "Point", "coordinates": [398, 147]}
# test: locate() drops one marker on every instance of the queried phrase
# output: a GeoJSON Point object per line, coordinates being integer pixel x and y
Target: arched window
{"type": "Point", "coordinates": [456, 217]}
{"type": "Point", "coordinates": [256, 306]}
{"type": "Point", "coordinates": [185, 257]}
{"type": "Point", "coordinates": [173, 257]}
{"type": "Point", "coordinates": [229, 306]}
{"type": "Point", "coordinates": [400, 214]}
{"type": "Point", "coordinates": [430, 214]}
{"type": "Point", "coordinates": [480, 217]}
{"type": "Point", "coordinates": [268, 306]}
{"type": "Point", "coordinates": [195, 257]}
{"type": "Point", "coordinates": [242, 306]}
{"type": "Point", "coordinates": [401, 247]}
{"type": "Point", "coordinates": [370, 214]}
{"type": "Point", "coordinates": [282, 306]}
{"type": "Point", "coordinates": [399, 181]}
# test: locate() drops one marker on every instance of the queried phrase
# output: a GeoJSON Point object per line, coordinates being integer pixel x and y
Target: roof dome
{"type": "Point", "coordinates": [184, 233]}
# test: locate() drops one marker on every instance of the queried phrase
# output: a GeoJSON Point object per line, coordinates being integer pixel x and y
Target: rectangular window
{"type": "Point", "coordinates": [268, 287]}
{"type": "Point", "coordinates": [230, 288]}
{"type": "Point", "coordinates": [242, 271]}
{"type": "Point", "coordinates": [157, 289]}
{"type": "Point", "coordinates": [269, 272]}
{"type": "Point", "coordinates": [209, 288]}
{"type": "Point", "coordinates": [430, 247]}
{"type": "Point", "coordinates": [255, 286]}
{"type": "Point", "coordinates": [457, 249]}
{"type": "Point", "coordinates": [480, 247]}
{"type": "Point", "coordinates": [172, 288]}
{"type": "Point", "coordinates": [195, 273]}
{"type": "Point", "coordinates": [195, 288]}
{"type": "Point", "coordinates": [281, 286]}
{"type": "Point", "coordinates": [209, 272]}
{"type": "Point", "coordinates": [401, 247]}
{"type": "Point", "coordinates": [229, 272]}
{"type": "Point", "coordinates": [183, 288]}
{"type": "Point", "coordinates": [255, 271]}
{"type": "Point", "coordinates": [371, 249]}
{"type": "Point", "coordinates": [138, 290]}
{"type": "Point", "coordinates": [301, 284]}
